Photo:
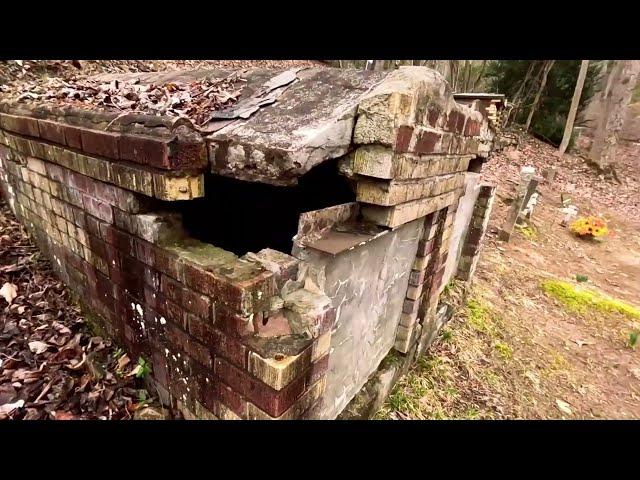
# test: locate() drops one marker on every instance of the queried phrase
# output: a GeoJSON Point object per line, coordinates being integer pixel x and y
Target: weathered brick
{"type": "Point", "coordinates": [245, 295]}
{"type": "Point", "coordinates": [223, 345]}
{"type": "Point", "coordinates": [132, 178]}
{"type": "Point", "coordinates": [19, 124]}
{"type": "Point", "coordinates": [51, 131]}
{"type": "Point", "coordinates": [165, 153]}
{"type": "Point", "coordinates": [426, 142]}
{"type": "Point", "coordinates": [72, 136]}
{"type": "Point", "coordinates": [36, 165]}
{"type": "Point", "coordinates": [432, 118]}
{"type": "Point", "coordinates": [79, 182]}
{"type": "Point", "coordinates": [104, 144]}
{"type": "Point", "coordinates": [281, 370]}
{"type": "Point", "coordinates": [403, 138]}
{"type": "Point", "coordinates": [97, 208]}
{"type": "Point", "coordinates": [264, 397]}
{"type": "Point", "coordinates": [119, 239]}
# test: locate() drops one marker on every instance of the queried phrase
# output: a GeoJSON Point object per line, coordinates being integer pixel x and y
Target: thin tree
{"type": "Point", "coordinates": [543, 82]}
{"type": "Point", "coordinates": [479, 77]}
{"type": "Point", "coordinates": [575, 101]}
{"type": "Point", "coordinates": [517, 97]}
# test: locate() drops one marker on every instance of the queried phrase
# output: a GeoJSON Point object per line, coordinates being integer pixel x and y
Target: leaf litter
{"type": "Point", "coordinates": [51, 365]}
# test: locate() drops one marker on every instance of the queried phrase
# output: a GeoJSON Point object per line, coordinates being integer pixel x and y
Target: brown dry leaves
{"type": "Point", "coordinates": [573, 176]}
{"type": "Point", "coordinates": [51, 367]}
{"type": "Point", "coordinates": [195, 100]}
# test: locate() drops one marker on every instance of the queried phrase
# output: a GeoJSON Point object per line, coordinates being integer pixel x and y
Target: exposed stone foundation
{"type": "Point", "coordinates": [267, 334]}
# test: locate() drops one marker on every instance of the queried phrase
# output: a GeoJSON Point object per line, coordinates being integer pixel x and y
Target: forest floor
{"type": "Point", "coordinates": [526, 345]}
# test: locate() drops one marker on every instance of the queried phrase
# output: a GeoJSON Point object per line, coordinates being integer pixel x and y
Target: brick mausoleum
{"type": "Point", "coordinates": [268, 262]}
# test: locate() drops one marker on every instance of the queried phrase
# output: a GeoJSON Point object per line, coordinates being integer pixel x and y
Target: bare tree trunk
{"type": "Point", "coordinates": [378, 64]}
{"type": "Point", "coordinates": [479, 77]}
{"type": "Point", "coordinates": [575, 101]}
{"type": "Point", "coordinates": [467, 66]}
{"type": "Point", "coordinates": [518, 95]}
{"type": "Point", "coordinates": [453, 72]}
{"type": "Point", "coordinates": [616, 96]}
{"type": "Point", "coordinates": [546, 68]}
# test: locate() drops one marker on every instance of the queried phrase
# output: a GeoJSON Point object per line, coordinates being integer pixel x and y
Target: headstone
{"type": "Point", "coordinates": [526, 189]}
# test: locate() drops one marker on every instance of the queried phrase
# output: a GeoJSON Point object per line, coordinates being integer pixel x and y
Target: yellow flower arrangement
{"type": "Point", "coordinates": [589, 227]}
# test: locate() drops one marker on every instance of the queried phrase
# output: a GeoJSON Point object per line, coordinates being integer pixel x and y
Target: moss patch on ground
{"type": "Point", "coordinates": [582, 300]}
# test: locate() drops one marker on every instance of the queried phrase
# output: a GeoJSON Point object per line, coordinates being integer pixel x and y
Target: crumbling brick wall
{"type": "Point", "coordinates": [184, 305]}
{"type": "Point", "coordinates": [257, 335]}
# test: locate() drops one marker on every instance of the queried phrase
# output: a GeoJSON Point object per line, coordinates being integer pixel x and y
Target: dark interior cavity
{"type": "Point", "coordinates": [242, 216]}
{"type": "Point", "coordinates": [475, 165]}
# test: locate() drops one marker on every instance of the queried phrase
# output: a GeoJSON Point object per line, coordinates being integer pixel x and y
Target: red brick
{"type": "Point", "coordinates": [159, 365]}
{"type": "Point", "coordinates": [167, 262]}
{"type": "Point", "coordinates": [57, 173]}
{"type": "Point", "coordinates": [426, 143]}
{"type": "Point", "coordinates": [425, 247]}
{"type": "Point", "coordinates": [241, 296]}
{"type": "Point", "coordinates": [97, 208]}
{"type": "Point", "coordinates": [72, 137]}
{"type": "Point", "coordinates": [229, 398]}
{"type": "Point", "coordinates": [200, 353]}
{"type": "Point", "coordinates": [470, 128]}
{"type": "Point", "coordinates": [230, 323]}
{"type": "Point", "coordinates": [317, 371]}
{"type": "Point", "coordinates": [171, 289]}
{"type": "Point", "coordinates": [52, 131]}
{"type": "Point", "coordinates": [104, 287]}
{"type": "Point", "coordinates": [222, 345]}
{"type": "Point", "coordinates": [273, 402]}
{"type": "Point", "coordinates": [163, 153]}
{"type": "Point", "coordinates": [403, 139]}
{"type": "Point", "coordinates": [197, 304]}
{"type": "Point", "coordinates": [92, 225]}
{"type": "Point", "coordinates": [433, 116]}
{"type": "Point", "coordinates": [19, 124]}
{"type": "Point", "coordinates": [455, 122]}
{"type": "Point", "coordinates": [144, 251]}
{"type": "Point", "coordinates": [104, 144]}
{"type": "Point", "coordinates": [417, 278]}
{"type": "Point", "coordinates": [119, 239]}
{"type": "Point", "coordinates": [105, 192]}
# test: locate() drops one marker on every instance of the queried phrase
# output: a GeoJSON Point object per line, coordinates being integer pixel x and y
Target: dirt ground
{"type": "Point", "coordinates": [515, 351]}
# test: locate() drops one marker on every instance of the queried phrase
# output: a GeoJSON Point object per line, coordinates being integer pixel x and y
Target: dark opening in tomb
{"type": "Point", "coordinates": [242, 216]}
{"type": "Point", "coordinates": [475, 165]}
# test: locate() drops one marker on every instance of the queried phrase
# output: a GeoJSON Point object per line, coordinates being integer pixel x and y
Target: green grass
{"type": "Point", "coordinates": [504, 350]}
{"type": "Point", "coordinates": [581, 300]}
{"type": "Point", "coordinates": [528, 232]}
{"type": "Point", "coordinates": [482, 318]}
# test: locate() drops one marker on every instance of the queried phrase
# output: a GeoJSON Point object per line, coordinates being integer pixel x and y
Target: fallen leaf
{"type": "Point", "coordinates": [8, 292]}
{"type": "Point", "coordinates": [38, 347]}
{"type": "Point", "coordinates": [62, 415]}
{"type": "Point", "coordinates": [564, 407]}
{"type": "Point", "coordinates": [7, 408]}
{"type": "Point", "coordinates": [122, 362]}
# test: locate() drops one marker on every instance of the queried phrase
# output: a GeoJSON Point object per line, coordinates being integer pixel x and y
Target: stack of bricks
{"type": "Point", "coordinates": [414, 145]}
{"type": "Point", "coordinates": [91, 199]}
{"type": "Point", "coordinates": [475, 234]}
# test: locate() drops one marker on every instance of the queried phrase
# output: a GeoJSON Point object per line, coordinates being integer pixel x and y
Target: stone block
{"type": "Point", "coordinates": [400, 214]}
